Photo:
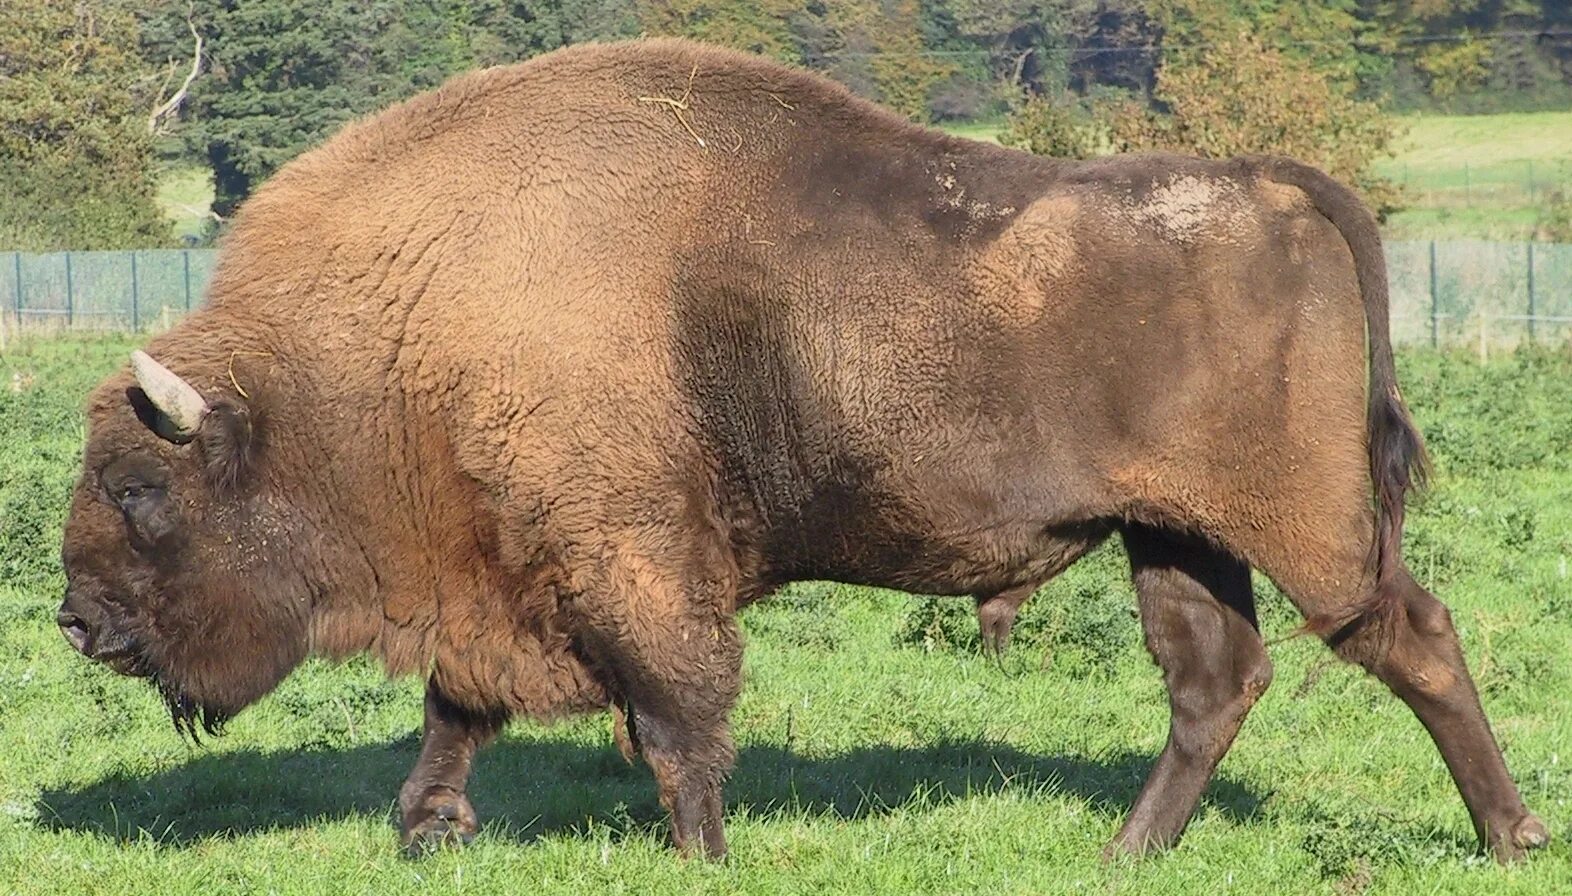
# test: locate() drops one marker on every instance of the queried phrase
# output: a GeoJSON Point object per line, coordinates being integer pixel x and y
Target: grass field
{"type": "Point", "coordinates": [879, 752]}
{"type": "Point", "coordinates": [1447, 150]}
{"type": "Point", "coordinates": [986, 131]}
{"type": "Point", "coordinates": [1484, 176]}
{"type": "Point", "coordinates": [185, 193]}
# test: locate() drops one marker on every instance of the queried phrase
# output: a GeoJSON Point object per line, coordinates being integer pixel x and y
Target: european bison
{"type": "Point", "coordinates": [530, 382]}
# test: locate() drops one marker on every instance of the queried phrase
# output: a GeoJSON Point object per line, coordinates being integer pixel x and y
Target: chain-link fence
{"type": "Point", "coordinates": [1443, 292]}
{"type": "Point", "coordinates": [125, 291]}
{"type": "Point", "coordinates": [1446, 292]}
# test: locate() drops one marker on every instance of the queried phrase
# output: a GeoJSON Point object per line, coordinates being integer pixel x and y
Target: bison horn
{"type": "Point", "coordinates": [174, 397]}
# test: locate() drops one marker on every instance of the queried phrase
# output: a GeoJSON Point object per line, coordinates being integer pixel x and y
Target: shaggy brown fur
{"type": "Point", "coordinates": [527, 384]}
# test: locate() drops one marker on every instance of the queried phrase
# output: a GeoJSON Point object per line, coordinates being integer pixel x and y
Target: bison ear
{"type": "Point", "coordinates": [229, 443]}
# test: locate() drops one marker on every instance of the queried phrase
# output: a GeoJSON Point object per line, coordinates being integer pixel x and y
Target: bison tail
{"type": "Point", "coordinates": [1397, 455]}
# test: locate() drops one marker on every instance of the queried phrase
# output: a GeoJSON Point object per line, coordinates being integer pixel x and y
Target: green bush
{"type": "Point", "coordinates": [1554, 224]}
{"type": "Point", "coordinates": [1507, 415]}
{"type": "Point", "coordinates": [1082, 623]}
{"type": "Point", "coordinates": [802, 614]}
{"type": "Point", "coordinates": [1060, 127]}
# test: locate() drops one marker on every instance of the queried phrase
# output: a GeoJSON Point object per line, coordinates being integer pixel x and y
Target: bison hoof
{"type": "Point", "coordinates": [443, 819]}
{"type": "Point", "coordinates": [1135, 845]}
{"type": "Point", "coordinates": [1529, 833]}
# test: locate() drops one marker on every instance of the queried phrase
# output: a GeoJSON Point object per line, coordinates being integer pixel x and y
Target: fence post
{"type": "Point", "coordinates": [1530, 291]}
{"type": "Point", "coordinates": [1530, 180]}
{"type": "Point", "coordinates": [185, 259]}
{"type": "Point", "coordinates": [136, 298]}
{"type": "Point", "coordinates": [16, 266]}
{"type": "Point", "coordinates": [1435, 299]}
{"type": "Point", "coordinates": [70, 294]}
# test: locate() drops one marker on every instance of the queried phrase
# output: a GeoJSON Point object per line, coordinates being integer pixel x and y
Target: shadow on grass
{"type": "Point", "coordinates": [525, 789]}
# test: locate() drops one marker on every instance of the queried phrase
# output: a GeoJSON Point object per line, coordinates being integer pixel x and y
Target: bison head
{"type": "Point", "coordinates": [173, 549]}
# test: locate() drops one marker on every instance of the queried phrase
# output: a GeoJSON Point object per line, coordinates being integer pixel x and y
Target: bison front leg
{"type": "Point", "coordinates": [1199, 618]}
{"type": "Point", "coordinates": [434, 810]}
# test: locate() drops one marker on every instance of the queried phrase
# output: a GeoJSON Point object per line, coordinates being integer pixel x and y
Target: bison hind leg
{"type": "Point", "coordinates": [623, 734]}
{"type": "Point", "coordinates": [1404, 636]}
{"type": "Point", "coordinates": [1415, 651]}
{"type": "Point", "coordinates": [1198, 615]}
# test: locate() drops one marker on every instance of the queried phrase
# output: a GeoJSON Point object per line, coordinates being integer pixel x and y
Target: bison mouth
{"type": "Point", "coordinates": [103, 644]}
{"type": "Point", "coordinates": [119, 652]}
{"type": "Point", "coordinates": [126, 655]}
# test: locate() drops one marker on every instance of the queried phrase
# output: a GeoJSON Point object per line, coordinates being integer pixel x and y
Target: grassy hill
{"type": "Point", "coordinates": [1486, 176]}
{"type": "Point", "coordinates": [185, 192]}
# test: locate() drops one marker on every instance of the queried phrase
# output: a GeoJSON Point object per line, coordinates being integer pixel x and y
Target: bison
{"type": "Point", "coordinates": [529, 383]}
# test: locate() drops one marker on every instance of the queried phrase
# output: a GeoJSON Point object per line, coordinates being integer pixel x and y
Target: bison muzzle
{"type": "Point", "coordinates": [529, 383]}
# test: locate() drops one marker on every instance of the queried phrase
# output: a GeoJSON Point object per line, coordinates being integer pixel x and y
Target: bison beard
{"type": "Point", "coordinates": [559, 371]}
{"type": "Point", "coordinates": [187, 714]}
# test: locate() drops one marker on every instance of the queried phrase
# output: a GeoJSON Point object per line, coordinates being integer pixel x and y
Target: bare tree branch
{"type": "Point", "coordinates": [167, 109]}
{"type": "Point", "coordinates": [1020, 66]}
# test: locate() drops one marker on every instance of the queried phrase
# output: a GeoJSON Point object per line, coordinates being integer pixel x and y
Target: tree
{"type": "Point", "coordinates": [1474, 54]}
{"type": "Point", "coordinates": [875, 47]}
{"type": "Point", "coordinates": [758, 27]}
{"type": "Point", "coordinates": [284, 75]}
{"type": "Point", "coordinates": [1237, 94]}
{"type": "Point", "coordinates": [1224, 89]}
{"type": "Point", "coordinates": [1060, 126]}
{"type": "Point", "coordinates": [884, 39]}
{"type": "Point", "coordinates": [75, 156]}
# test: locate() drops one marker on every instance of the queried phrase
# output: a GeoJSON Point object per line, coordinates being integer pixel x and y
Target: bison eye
{"type": "Point", "coordinates": [147, 512]}
{"type": "Point", "coordinates": [132, 491]}
{"type": "Point", "coordinates": [137, 484]}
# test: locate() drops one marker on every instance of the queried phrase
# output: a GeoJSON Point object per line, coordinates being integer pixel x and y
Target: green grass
{"type": "Point", "coordinates": [185, 193]}
{"type": "Point", "coordinates": [1438, 147]}
{"type": "Point", "coordinates": [986, 131]}
{"type": "Point", "coordinates": [879, 753]}
{"type": "Point", "coordinates": [1483, 176]}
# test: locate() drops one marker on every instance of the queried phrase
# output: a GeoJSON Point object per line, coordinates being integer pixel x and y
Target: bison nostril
{"type": "Point", "coordinates": [75, 631]}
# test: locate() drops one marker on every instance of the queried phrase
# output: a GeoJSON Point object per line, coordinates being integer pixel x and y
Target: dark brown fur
{"type": "Point", "coordinates": [529, 383]}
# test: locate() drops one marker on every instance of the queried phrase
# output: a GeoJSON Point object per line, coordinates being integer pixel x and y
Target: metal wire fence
{"type": "Point", "coordinates": [1443, 292]}
{"type": "Point", "coordinates": [125, 291]}
{"type": "Point", "coordinates": [1520, 183]}
{"type": "Point", "coordinates": [1446, 292]}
